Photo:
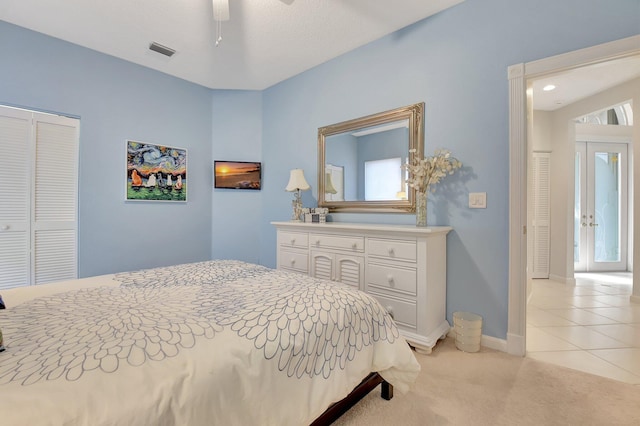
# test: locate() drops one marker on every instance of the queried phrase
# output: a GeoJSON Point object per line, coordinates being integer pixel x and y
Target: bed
{"type": "Point", "coordinates": [207, 343]}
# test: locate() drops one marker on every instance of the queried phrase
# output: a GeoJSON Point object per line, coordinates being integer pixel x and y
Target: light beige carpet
{"type": "Point", "coordinates": [493, 388]}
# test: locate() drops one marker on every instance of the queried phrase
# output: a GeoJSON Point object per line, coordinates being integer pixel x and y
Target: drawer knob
{"type": "Point", "coordinates": [293, 241]}
{"type": "Point", "coordinates": [317, 242]}
{"type": "Point", "coordinates": [354, 246]}
{"type": "Point", "coordinates": [293, 262]}
{"type": "Point", "coordinates": [5, 227]}
{"type": "Point", "coordinates": [390, 280]}
{"type": "Point", "coordinates": [391, 252]}
{"type": "Point", "coordinates": [390, 311]}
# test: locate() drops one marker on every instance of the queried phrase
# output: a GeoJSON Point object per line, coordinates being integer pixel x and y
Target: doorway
{"type": "Point", "coordinates": [600, 213]}
{"type": "Point", "coordinates": [520, 112]}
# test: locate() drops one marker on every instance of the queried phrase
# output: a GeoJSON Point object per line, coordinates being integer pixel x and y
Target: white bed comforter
{"type": "Point", "coordinates": [210, 343]}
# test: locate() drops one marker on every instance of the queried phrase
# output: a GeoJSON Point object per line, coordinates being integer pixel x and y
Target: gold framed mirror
{"type": "Point", "coordinates": [359, 161]}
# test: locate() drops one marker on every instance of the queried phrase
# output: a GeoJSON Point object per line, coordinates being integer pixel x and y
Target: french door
{"type": "Point", "coordinates": [600, 214]}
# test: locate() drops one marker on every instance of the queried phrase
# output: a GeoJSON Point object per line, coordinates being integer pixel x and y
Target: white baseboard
{"type": "Point", "coordinates": [486, 341]}
{"type": "Point", "coordinates": [564, 280]}
{"type": "Point", "coordinates": [516, 344]}
{"type": "Point", "coordinates": [494, 343]}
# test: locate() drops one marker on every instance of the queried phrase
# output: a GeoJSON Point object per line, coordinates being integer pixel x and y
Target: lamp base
{"type": "Point", "coordinates": [296, 205]}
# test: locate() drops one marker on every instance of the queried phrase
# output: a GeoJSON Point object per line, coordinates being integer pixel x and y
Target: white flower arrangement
{"type": "Point", "coordinates": [425, 172]}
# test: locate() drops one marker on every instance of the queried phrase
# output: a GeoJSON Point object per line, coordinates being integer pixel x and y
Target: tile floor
{"type": "Point", "coordinates": [592, 326]}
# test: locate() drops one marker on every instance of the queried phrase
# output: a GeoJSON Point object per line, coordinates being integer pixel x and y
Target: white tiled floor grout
{"type": "Point", "coordinates": [592, 326]}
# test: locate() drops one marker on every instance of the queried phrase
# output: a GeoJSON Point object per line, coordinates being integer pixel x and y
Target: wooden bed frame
{"type": "Point", "coordinates": [339, 408]}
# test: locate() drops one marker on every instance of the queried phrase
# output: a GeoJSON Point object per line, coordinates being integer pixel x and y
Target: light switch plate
{"type": "Point", "coordinates": [477, 200]}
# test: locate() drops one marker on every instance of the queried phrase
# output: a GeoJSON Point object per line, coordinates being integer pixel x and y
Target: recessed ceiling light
{"type": "Point", "coordinates": [548, 87]}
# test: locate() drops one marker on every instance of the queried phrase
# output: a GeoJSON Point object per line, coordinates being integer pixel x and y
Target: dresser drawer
{"type": "Point", "coordinates": [326, 241]}
{"type": "Point", "coordinates": [293, 239]}
{"type": "Point", "coordinates": [404, 312]}
{"type": "Point", "coordinates": [392, 278]}
{"type": "Point", "coordinates": [293, 260]}
{"type": "Point", "coordinates": [392, 249]}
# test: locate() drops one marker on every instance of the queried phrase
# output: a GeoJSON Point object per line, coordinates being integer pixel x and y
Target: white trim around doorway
{"type": "Point", "coordinates": [517, 77]}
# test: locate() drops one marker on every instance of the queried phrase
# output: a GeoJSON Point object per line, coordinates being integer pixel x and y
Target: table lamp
{"type": "Point", "coordinates": [297, 183]}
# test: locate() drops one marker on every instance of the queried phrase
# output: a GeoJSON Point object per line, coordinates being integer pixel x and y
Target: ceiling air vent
{"type": "Point", "coordinates": [156, 47]}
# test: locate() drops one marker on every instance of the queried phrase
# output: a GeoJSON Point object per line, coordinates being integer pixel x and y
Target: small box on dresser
{"type": "Point", "coordinates": [402, 266]}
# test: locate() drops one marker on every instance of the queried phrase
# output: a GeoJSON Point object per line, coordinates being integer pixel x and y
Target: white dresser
{"type": "Point", "coordinates": [403, 266]}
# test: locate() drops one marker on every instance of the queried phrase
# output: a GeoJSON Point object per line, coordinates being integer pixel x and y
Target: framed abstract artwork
{"type": "Point", "coordinates": [156, 172]}
{"type": "Point", "coordinates": [237, 174]}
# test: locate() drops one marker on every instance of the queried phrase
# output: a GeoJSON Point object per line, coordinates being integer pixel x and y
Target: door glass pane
{"type": "Point", "coordinates": [607, 207]}
{"type": "Point", "coordinates": [576, 211]}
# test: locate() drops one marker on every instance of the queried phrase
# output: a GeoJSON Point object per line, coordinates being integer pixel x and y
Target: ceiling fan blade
{"type": "Point", "coordinates": [221, 10]}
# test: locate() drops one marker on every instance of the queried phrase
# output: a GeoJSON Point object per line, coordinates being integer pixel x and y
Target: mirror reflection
{"type": "Point", "coordinates": [360, 161]}
{"type": "Point", "coordinates": [366, 164]}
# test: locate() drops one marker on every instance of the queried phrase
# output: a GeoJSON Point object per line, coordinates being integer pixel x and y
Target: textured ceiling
{"type": "Point", "coordinates": [579, 83]}
{"type": "Point", "coordinates": [264, 42]}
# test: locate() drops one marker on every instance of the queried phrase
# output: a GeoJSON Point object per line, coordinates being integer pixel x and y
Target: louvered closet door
{"type": "Point", "coordinates": [55, 194]}
{"type": "Point", "coordinates": [541, 214]}
{"type": "Point", "coordinates": [38, 197]}
{"type": "Point", "coordinates": [15, 137]}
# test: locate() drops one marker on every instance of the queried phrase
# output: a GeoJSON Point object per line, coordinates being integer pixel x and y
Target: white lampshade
{"type": "Point", "coordinates": [297, 181]}
{"type": "Point", "coordinates": [328, 185]}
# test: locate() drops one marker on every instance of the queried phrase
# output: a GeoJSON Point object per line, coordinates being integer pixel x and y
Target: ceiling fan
{"type": "Point", "coordinates": [221, 13]}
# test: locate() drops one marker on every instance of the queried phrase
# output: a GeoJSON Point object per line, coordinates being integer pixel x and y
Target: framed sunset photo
{"type": "Point", "coordinates": [237, 175]}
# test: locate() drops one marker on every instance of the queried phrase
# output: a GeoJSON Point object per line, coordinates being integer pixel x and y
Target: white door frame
{"type": "Point", "coordinates": [517, 76]}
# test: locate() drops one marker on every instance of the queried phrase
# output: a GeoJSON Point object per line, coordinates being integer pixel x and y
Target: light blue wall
{"type": "Point", "coordinates": [237, 136]}
{"type": "Point", "coordinates": [456, 62]}
{"type": "Point", "coordinates": [116, 100]}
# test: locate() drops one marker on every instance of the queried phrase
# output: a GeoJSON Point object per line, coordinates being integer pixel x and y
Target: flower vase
{"type": "Point", "coordinates": [421, 208]}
